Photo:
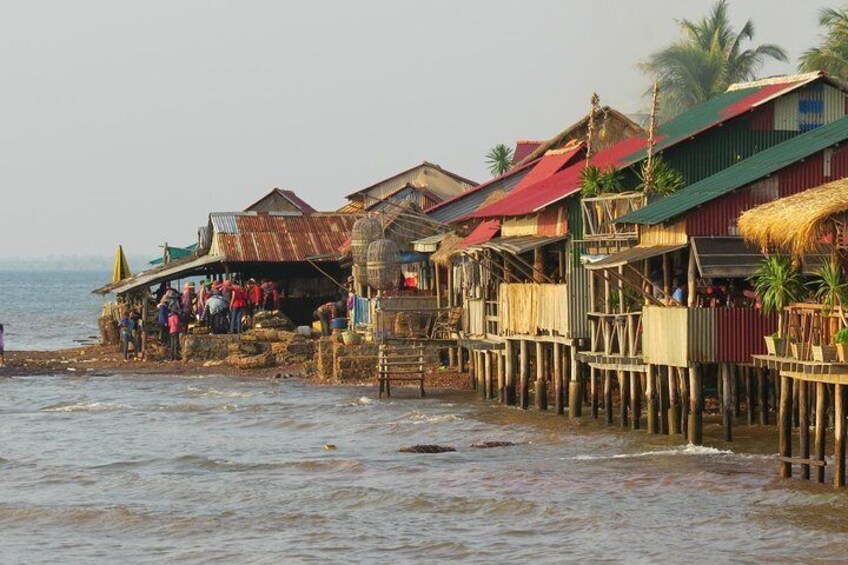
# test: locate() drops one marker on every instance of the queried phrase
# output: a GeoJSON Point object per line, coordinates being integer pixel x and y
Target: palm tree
{"type": "Point", "coordinates": [709, 58]}
{"type": "Point", "coordinates": [499, 159]}
{"type": "Point", "coordinates": [832, 55]}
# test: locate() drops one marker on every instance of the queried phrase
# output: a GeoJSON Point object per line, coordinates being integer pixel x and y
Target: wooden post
{"type": "Point", "coordinates": [438, 287]}
{"type": "Point", "coordinates": [541, 385]}
{"type": "Point", "coordinates": [523, 376]}
{"type": "Point", "coordinates": [762, 393]}
{"type": "Point", "coordinates": [662, 398]}
{"type": "Point", "coordinates": [558, 396]}
{"type": "Point", "coordinates": [684, 403]}
{"type": "Point", "coordinates": [481, 373]}
{"type": "Point", "coordinates": [749, 393]}
{"type": "Point", "coordinates": [509, 361]}
{"type": "Point", "coordinates": [696, 404]}
{"type": "Point", "coordinates": [727, 400]}
{"type": "Point", "coordinates": [804, 428]}
{"type": "Point", "coordinates": [651, 398]}
{"type": "Point", "coordinates": [635, 400]}
{"type": "Point", "coordinates": [839, 435]}
{"type": "Point", "coordinates": [575, 392]}
{"type": "Point", "coordinates": [673, 403]}
{"type": "Point", "coordinates": [472, 369]}
{"type": "Point", "coordinates": [624, 396]}
{"type": "Point", "coordinates": [821, 430]}
{"type": "Point", "coordinates": [607, 396]}
{"type": "Point", "coordinates": [690, 281]}
{"type": "Point", "coordinates": [593, 392]}
{"type": "Point", "coordinates": [487, 368]}
{"type": "Point", "coordinates": [538, 265]}
{"type": "Point", "coordinates": [666, 268]}
{"type": "Point", "coordinates": [499, 358]}
{"type": "Point", "coordinates": [785, 426]}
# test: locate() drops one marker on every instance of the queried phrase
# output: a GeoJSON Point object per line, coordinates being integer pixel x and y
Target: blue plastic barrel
{"type": "Point", "coordinates": [338, 323]}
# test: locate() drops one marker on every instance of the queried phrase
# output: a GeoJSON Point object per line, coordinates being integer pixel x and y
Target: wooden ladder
{"type": "Point", "coordinates": [400, 363]}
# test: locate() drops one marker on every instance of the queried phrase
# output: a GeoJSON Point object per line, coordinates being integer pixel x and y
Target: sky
{"type": "Point", "coordinates": [128, 122]}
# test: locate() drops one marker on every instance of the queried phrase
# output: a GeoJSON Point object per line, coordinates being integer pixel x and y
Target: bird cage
{"type": "Point", "coordinates": [365, 230]}
{"type": "Point", "coordinates": [383, 264]}
{"type": "Point", "coordinates": [360, 276]}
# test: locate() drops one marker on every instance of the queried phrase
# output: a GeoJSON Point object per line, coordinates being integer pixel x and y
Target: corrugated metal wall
{"type": "Point", "coordinates": [701, 334]}
{"type": "Point", "coordinates": [663, 331]}
{"type": "Point", "coordinates": [719, 216]}
{"type": "Point", "coordinates": [577, 279]}
{"type": "Point", "coordinates": [740, 333]}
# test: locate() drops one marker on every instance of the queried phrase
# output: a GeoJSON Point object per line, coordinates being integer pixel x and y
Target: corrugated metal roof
{"type": "Point", "coordinates": [638, 253]}
{"type": "Point", "coordinates": [246, 237]}
{"type": "Point", "coordinates": [521, 245]}
{"type": "Point", "coordinates": [549, 165]}
{"type": "Point", "coordinates": [743, 173]}
{"type": "Point", "coordinates": [462, 205]}
{"type": "Point", "coordinates": [726, 257]}
{"type": "Point", "coordinates": [738, 100]}
{"type": "Point", "coordinates": [174, 270]}
{"type": "Point", "coordinates": [556, 187]}
{"type": "Point", "coordinates": [482, 233]}
{"type": "Point", "coordinates": [523, 148]}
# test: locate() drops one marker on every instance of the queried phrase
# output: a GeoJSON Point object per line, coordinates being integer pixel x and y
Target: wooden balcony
{"type": "Point", "coordinates": [599, 215]}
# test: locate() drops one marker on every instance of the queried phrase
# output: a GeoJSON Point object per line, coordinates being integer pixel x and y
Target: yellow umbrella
{"type": "Point", "coordinates": [121, 270]}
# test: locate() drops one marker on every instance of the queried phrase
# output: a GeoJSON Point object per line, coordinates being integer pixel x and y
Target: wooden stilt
{"type": "Point", "coordinates": [696, 405]}
{"type": "Point", "coordinates": [509, 378]}
{"type": "Point", "coordinates": [736, 384]}
{"type": "Point", "coordinates": [501, 372]}
{"type": "Point", "coordinates": [472, 369]}
{"type": "Point", "coordinates": [487, 374]}
{"type": "Point", "coordinates": [785, 427]}
{"type": "Point", "coordinates": [821, 429]}
{"type": "Point", "coordinates": [593, 388]}
{"type": "Point", "coordinates": [635, 400]}
{"type": "Point", "coordinates": [804, 428]}
{"type": "Point", "coordinates": [796, 384]}
{"type": "Point", "coordinates": [749, 393]}
{"type": "Point", "coordinates": [558, 392]}
{"type": "Point", "coordinates": [651, 397]}
{"type": "Point", "coordinates": [575, 392]}
{"type": "Point", "coordinates": [624, 397]}
{"type": "Point", "coordinates": [839, 436]}
{"type": "Point", "coordinates": [673, 403]}
{"type": "Point", "coordinates": [481, 373]}
{"type": "Point", "coordinates": [762, 394]}
{"type": "Point", "coordinates": [662, 397]}
{"type": "Point", "coordinates": [727, 400]}
{"type": "Point", "coordinates": [541, 384]}
{"type": "Point", "coordinates": [523, 376]}
{"type": "Point", "coordinates": [608, 396]}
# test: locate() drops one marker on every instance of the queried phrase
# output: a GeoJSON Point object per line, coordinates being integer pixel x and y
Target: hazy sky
{"type": "Point", "coordinates": [127, 122]}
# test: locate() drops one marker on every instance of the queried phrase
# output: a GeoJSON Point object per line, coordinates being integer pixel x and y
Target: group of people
{"type": "Point", "coordinates": [220, 305]}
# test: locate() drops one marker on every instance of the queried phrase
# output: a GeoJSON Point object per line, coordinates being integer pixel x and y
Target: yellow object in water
{"type": "Point", "coordinates": [121, 270]}
{"type": "Point", "coordinates": [330, 447]}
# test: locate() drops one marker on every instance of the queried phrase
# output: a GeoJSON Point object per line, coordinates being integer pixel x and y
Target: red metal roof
{"type": "Point", "coordinates": [548, 165]}
{"type": "Point", "coordinates": [277, 238]}
{"type": "Point", "coordinates": [560, 185]}
{"type": "Point", "coordinates": [482, 233]}
{"type": "Point", "coordinates": [523, 148]}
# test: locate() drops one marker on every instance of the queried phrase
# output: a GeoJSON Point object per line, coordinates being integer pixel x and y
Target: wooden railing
{"type": "Point", "coordinates": [616, 334]}
{"type": "Point", "coordinates": [600, 213]}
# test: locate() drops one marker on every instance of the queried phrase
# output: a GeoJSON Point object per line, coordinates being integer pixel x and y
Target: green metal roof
{"type": "Point", "coordinates": [743, 173]}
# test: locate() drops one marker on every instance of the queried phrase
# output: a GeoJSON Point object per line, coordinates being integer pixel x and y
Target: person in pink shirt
{"type": "Point", "coordinates": [175, 328]}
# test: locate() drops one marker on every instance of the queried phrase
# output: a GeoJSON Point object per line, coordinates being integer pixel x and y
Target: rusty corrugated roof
{"type": "Point", "coordinates": [252, 237]}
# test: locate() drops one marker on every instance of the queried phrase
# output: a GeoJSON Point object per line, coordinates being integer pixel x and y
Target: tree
{"type": "Point", "coordinates": [778, 284]}
{"type": "Point", "coordinates": [832, 55]}
{"type": "Point", "coordinates": [709, 58]}
{"type": "Point", "coordinates": [499, 159]}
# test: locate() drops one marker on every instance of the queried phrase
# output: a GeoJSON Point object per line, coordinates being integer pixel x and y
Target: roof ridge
{"type": "Point", "coordinates": [781, 79]}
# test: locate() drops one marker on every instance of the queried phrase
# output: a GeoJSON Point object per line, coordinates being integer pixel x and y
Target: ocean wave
{"type": "Point", "coordinates": [85, 407]}
{"type": "Point", "coordinates": [361, 401]}
{"type": "Point", "coordinates": [215, 393]}
{"type": "Point", "coordinates": [690, 449]}
{"type": "Point", "coordinates": [418, 417]}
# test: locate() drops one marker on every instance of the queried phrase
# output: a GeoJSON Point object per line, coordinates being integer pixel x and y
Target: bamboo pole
{"type": "Point", "coordinates": [523, 375]}
{"type": "Point", "coordinates": [608, 396]}
{"type": "Point", "coordinates": [839, 435]}
{"type": "Point", "coordinates": [762, 394]}
{"type": "Point", "coordinates": [804, 428]}
{"type": "Point", "coordinates": [558, 393]}
{"type": "Point", "coordinates": [727, 401]}
{"type": "Point", "coordinates": [575, 394]}
{"type": "Point", "coordinates": [624, 396]}
{"type": "Point", "coordinates": [785, 428]}
{"type": "Point", "coordinates": [509, 362]}
{"type": "Point", "coordinates": [696, 406]}
{"type": "Point", "coordinates": [541, 385]}
{"type": "Point", "coordinates": [499, 358]}
{"type": "Point", "coordinates": [487, 368]}
{"type": "Point", "coordinates": [651, 394]}
{"type": "Point", "coordinates": [673, 403]}
{"type": "Point", "coordinates": [635, 400]}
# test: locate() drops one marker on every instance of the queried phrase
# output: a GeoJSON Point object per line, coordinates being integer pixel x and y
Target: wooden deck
{"type": "Point", "coordinates": [812, 371]}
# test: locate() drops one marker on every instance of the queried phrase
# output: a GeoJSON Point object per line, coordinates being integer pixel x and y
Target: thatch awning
{"type": "Point", "coordinates": [447, 249]}
{"type": "Point", "coordinates": [797, 223]}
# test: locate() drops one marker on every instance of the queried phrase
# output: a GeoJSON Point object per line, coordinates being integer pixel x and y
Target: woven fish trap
{"type": "Point", "coordinates": [365, 231]}
{"type": "Point", "coordinates": [383, 264]}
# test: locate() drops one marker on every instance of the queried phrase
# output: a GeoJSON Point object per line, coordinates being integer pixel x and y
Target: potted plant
{"type": "Point", "coordinates": [800, 351]}
{"type": "Point", "coordinates": [824, 353]}
{"type": "Point", "coordinates": [773, 344]}
{"type": "Point", "coordinates": [841, 340]}
{"type": "Point", "coordinates": [778, 284]}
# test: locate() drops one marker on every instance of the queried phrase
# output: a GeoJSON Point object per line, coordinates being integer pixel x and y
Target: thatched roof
{"type": "Point", "coordinates": [796, 223]}
{"type": "Point", "coordinates": [447, 249]}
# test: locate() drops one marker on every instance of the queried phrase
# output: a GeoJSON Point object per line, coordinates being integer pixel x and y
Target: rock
{"type": "Point", "coordinates": [490, 444]}
{"type": "Point", "coordinates": [260, 361]}
{"type": "Point", "coordinates": [426, 449]}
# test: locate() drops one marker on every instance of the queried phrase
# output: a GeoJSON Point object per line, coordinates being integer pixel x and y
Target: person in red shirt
{"type": "Point", "coordinates": [238, 303]}
{"type": "Point", "coordinates": [254, 295]}
{"type": "Point", "coordinates": [175, 328]}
